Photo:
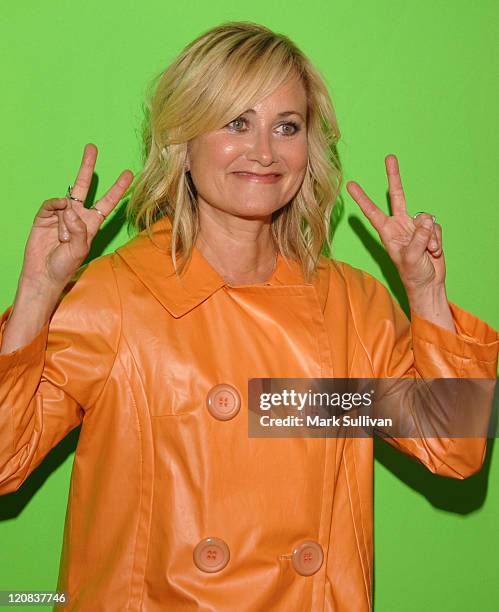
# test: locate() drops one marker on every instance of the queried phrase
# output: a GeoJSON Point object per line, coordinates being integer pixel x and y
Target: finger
{"type": "Point", "coordinates": [85, 173]}
{"type": "Point", "coordinates": [115, 193]}
{"type": "Point", "coordinates": [77, 233]}
{"type": "Point", "coordinates": [49, 207]}
{"type": "Point", "coordinates": [63, 228]}
{"type": "Point", "coordinates": [54, 207]}
{"type": "Point", "coordinates": [395, 189]}
{"type": "Point", "coordinates": [419, 241]}
{"type": "Point", "coordinates": [438, 231]}
{"type": "Point", "coordinates": [375, 215]}
{"type": "Point", "coordinates": [433, 244]}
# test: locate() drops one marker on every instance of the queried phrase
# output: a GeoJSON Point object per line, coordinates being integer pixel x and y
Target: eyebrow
{"type": "Point", "coordinates": [283, 114]}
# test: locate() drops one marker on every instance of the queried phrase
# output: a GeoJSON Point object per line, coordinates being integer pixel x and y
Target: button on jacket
{"type": "Point", "coordinates": [172, 506]}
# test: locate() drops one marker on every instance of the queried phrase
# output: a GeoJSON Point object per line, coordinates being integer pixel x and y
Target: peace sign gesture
{"type": "Point", "coordinates": [63, 229]}
{"type": "Point", "coordinates": [59, 241]}
{"type": "Point", "coordinates": [413, 243]}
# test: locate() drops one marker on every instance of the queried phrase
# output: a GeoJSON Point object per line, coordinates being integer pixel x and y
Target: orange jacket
{"type": "Point", "coordinates": [135, 357]}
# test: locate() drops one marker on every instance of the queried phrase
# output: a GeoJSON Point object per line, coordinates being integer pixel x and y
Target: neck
{"type": "Point", "coordinates": [240, 249]}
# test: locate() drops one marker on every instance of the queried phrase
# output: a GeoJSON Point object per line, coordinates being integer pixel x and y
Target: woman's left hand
{"type": "Point", "coordinates": [414, 244]}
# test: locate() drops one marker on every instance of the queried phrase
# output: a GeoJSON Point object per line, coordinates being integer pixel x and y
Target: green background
{"type": "Point", "coordinates": [418, 79]}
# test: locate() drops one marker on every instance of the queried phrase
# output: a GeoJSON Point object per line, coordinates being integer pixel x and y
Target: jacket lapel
{"type": "Point", "coordinates": [151, 261]}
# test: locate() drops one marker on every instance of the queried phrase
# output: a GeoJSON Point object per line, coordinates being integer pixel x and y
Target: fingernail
{"type": "Point", "coordinates": [65, 235]}
{"type": "Point", "coordinates": [428, 223]}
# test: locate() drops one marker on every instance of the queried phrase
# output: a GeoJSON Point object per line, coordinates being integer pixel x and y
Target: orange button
{"type": "Point", "coordinates": [223, 402]}
{"type": "Point", "coordinates": [211, 555]}
{"type": "Point", "coordinates": [308, 557]}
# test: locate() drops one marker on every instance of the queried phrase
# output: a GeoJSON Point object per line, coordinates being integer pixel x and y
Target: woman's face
{"type": "Point", "coordinates": [270, 139]}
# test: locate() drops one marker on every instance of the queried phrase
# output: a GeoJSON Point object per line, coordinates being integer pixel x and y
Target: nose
{"type": "Point", "coordinates": [261, 148]}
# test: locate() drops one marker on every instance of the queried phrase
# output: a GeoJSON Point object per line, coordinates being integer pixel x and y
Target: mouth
{"type": "Point", "coordinates": [258, 178]}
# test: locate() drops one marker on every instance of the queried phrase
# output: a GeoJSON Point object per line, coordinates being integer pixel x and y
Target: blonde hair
{"type": "Point", "coordinates": [191, 97]}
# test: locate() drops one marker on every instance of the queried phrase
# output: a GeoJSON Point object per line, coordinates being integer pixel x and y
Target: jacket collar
{"type": "Point", "coordinates": [152, 263]}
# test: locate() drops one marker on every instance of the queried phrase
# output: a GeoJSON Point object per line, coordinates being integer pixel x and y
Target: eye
{"type": "Point", "coordinates": [290, 124]}
{"type": "Point", "coordinates": [238, 120]}
{"type": "Point", "coordinates": [291, 127]}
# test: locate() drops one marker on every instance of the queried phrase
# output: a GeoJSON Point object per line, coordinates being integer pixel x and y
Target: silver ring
{"type": "Point", "coordinates": [423, 213]}
{"type": "Point", "coordinates": [69, 194]}
{"type": "Point", "coordinates": [97, 210]}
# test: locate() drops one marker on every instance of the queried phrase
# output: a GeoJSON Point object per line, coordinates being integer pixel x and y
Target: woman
{"type": "Point", "coordinates": [172, 505]}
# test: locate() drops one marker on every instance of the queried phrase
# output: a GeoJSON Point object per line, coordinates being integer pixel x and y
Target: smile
{"type": "Point", "coordinates": [258, 178]}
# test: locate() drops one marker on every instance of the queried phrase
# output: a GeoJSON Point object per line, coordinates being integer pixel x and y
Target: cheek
{"type": "Point", "coordinates": [220, 151]}
{"type": "Point", "coordinates": [213, 165]}
{"type": "Point", "coordinates": [204, 145]}
{"type": "Point", "coordinates": [297, 156]}
{"type": "Point", "coordinates": [210, 165]}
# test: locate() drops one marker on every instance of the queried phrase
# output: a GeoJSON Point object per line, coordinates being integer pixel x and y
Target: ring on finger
{"type": "Point", "coordinates": [69, 194]}
{"type": "Point", "coordinates": [423, 213]}
{"type": "Point", "coordinates": [93, 207]}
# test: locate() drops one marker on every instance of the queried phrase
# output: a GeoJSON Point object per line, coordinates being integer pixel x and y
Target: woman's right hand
{"type": "Point", "coordinates": [63, 229]}
{"type": "Point", "coordinates": [59, 241]}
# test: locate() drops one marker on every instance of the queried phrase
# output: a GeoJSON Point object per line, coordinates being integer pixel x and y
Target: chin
{"type": "Point", "coordinates": [238, 206]}
{"type": "Point", "coordinates": [251, 207]}
{"type": "Point", "coordinates": [262, 212]}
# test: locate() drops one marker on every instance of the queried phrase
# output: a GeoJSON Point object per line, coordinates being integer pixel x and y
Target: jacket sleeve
{"type": "Point", "coordinates": [398, 348]}
{"type": "Point", "coordinates": [47, 385]}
